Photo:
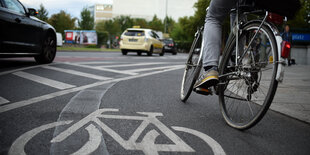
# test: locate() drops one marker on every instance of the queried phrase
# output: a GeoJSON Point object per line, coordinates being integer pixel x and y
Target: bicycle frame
{"type": "Point", "coordinates": [236, 30]}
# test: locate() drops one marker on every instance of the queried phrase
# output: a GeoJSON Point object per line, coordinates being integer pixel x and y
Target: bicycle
{"type": "Point", "coordinates": [250, 68]}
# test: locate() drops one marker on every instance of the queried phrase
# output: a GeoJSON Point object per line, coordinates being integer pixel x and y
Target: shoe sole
{"type": "Point", "coordinates": [209, 82]}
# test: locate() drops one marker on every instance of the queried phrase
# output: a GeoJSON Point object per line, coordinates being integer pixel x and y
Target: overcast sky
{"type": "Point", "coordinates": [72, 7]}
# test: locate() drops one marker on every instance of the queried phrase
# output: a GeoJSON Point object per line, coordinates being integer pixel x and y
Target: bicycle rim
{"type": "Point", "coordinates": [192, 69]}
{"type": "Point", "coordinates": [246, 95]}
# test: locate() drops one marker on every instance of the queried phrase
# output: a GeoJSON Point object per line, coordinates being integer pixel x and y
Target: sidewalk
{"type": "Point", "coordinates": [293, 94]}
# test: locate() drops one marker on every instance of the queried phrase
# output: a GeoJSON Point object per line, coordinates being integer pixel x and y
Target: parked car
{"type": "Point", "coordinates": [22, 34]}
{"type": "Point", "coordinates": [141, 40]}
{"type": "Point", "coordinates": [169, 46]}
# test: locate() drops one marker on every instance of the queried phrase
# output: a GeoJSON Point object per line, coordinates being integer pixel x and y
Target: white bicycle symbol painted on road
{"type": "Point", "coordinates": [147, 145]}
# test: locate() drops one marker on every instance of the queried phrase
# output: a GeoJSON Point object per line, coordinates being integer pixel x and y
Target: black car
{"type": "Point", "coordinates": [22, 34]}
{"type": "Point", "coordinates": [169, 46]}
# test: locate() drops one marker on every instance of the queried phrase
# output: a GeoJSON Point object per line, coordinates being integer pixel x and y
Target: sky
{"type": "Point", "coordinates": [72, 7]}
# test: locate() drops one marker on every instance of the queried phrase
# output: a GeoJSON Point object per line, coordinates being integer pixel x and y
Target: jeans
{"type": "Point", "coordinates": [212, 35]}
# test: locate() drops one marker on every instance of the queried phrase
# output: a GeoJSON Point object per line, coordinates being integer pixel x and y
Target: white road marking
{"type": "Point", "coordinates": [21, 69]}
{"type": "Point", "coordinates": [215, 146]}
{"type": "Point", "coordinates": [45, 81]}
{"type": "Point", "coordinates": [96, 62]}
{"type": "Point", "coordinates": [134, 64]}
{"type": "Point", "coordinates": [94, 140]}
{"type": "Point", "coordinates": [69, 71]}
{"type": "Point", "coordinates": [102, 69]}
{"type": "Point", "coordinates": [18, 146]}
{"type": "Point", "coordinates": [3, 100]}
{"type": "Point", "coordinates": [149, 69]}
{"type": "Point", "coordinates": [20, 104]}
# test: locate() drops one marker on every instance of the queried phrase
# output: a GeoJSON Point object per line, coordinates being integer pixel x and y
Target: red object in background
{"type": "Point", "coordinates": [116, 37]}
{"type": "Point", "coordinates": [275, 18]}
{"type": "Point", "coordinates": [171, 45]}
{"type": "Point", "coordinates": [69, 36]}
{"type": "Point", "coordinates": [286, 49]}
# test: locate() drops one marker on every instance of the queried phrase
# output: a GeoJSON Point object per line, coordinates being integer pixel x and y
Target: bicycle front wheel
{"type": "Point", "coordinates": [192, 68]}
{"type": "Point", "coordinates": [246, 90]}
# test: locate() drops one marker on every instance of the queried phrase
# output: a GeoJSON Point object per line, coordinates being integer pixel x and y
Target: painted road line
{"type": "Point", "coordinates": [20, 104]}
{"type": "Point", "coordinates": [45, 81]}
{"type": "Point", "coordinates": [102, 69]}
{"type": "Point", "coordinates": [134, 64]}
{"type": "Point", "coordinates": [151, 69]}
{"type": "Point", "coordinates": [69, 71]}
{"type": "Point", "coordinates": [95, 62]}
{"type": "Point", "coordinates": [21, 69]}
{"type": "Point", "coordinates": [3, 100]}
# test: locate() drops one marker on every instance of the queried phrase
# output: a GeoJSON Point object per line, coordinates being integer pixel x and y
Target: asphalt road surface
{"type": "Point", "coordinates": [106, 103]}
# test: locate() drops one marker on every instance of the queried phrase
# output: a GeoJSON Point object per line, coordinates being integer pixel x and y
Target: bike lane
{"type": "Point", "coordinates": [197, 126]}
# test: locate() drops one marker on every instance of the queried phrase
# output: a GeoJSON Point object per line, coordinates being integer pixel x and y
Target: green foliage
{"type": "Point", "coordinates": [87, 20]}
{"type": "Point", "coordinates": [91, 46]}
{"type": "Point", "coordinates": [62, 21]}
{"type": "Point", "coordinates": [302, 19]}
{"type": "Point", "coordinates": [124, 22]}
{"type": "Point", "coordinates": [156, 24]}
{"type": "Point", "coordinates": [42, 15]}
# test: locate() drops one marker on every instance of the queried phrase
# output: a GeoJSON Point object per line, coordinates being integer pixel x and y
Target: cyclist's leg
{"type": "Point", "coordinates": [212, 37]}
{"type": "Point", "coordinates": [213, 30]}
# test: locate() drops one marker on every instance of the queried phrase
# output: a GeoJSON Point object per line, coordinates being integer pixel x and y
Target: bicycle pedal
{"type": "Point", "coordinates": [203, 91]}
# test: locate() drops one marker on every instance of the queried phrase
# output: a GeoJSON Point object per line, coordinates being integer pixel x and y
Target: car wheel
{"type": "Point", "coordinates": [139, 53]}
{"type": "Point", "coordinates": [48, 50]}
{"type": "Point", "coordinates": [162, 52]}
{"type": "Point", "coordinates": [150, 53]}
{"type": "Point", "coordinates": [124, 52]}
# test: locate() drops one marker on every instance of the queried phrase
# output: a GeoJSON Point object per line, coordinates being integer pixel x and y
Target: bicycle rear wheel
{"type": "Point", "coordinates": [192, 68]}
{"type": "Point", "coordinates": [246, 90]}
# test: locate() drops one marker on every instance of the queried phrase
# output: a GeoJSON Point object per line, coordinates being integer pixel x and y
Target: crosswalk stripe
{"type": "Point", "coordinates": [150, 69]}
{"type": "Point", "coordinates": [69, 71]}
{"type": "Point", "coordinates": [3, 100]}
{"type": "Point", "coordinates": [135, 64]}
{"type": "Point", "coordinates": [102, 69]}
{"type": "Point", "coordinates": [45, 81]}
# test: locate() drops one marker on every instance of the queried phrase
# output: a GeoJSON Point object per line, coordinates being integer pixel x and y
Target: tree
{"type": "Point", "coordinates": [156, 24]}
{"type": "Point", "coordinates": [124, 22]}
{"type": "Point", "coordinates": [62, 21]}
{"type": "Point", "coordinates": [42, 15]}
{"type": "Point", "coordinates": [302, 18]}
{"type": "Point", "coordinates": [87, 20]}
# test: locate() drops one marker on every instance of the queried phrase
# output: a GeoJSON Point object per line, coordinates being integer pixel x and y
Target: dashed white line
{"type": "Point", "coordinates": [3, 100]}
{"type": "Point", "coordinates": [43, 80]}
{"type": "Point", "coordinates": [102, 69]}
{"type": "Point", "coordinates": [69, 71]}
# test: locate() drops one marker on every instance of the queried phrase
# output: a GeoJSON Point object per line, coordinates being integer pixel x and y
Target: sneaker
{"type": "Point", "coordinates": [207, 79]}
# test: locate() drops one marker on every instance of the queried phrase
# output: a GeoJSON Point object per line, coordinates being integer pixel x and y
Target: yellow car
{"type": "Point", "coordinates": [141, 40]}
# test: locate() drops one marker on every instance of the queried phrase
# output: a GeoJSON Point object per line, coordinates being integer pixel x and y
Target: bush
{"type": "Point", "coordinates": [183, 45]}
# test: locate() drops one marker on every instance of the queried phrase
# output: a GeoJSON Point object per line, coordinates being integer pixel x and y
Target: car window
{"type": "Point", "coordinates": [154, 35]}
{"type": "Point", "coordinates": [14, 5]}
{"type": "Point", "coordinates": [134, 33]}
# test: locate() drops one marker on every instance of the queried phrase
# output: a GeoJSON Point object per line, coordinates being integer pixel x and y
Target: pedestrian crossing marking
{"type": "Point", "coordinates": [44, 81]}
{"type": "Point", "coordinates": [69, 71]}
{"type": "Point", "coordinates": [3, 100]}
{"type": "Point", "coordinates": [155, 68]}
{"type": "Point", "coordinates": [134, 64]}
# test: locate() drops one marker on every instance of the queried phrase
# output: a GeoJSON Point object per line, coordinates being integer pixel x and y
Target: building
{"type": "Point", "coordinates": [101, 12]}
{"type": "Point", "coordinates": [148, 8]}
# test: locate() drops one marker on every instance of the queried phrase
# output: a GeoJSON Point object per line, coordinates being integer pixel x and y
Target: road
{"type": "Point", "coordinates": [106, 103]}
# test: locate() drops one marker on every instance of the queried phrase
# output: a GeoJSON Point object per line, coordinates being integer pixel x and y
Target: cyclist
{"type": "Point", "coordinates": [218, 10]}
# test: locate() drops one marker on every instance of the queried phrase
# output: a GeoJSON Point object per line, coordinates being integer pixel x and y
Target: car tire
{"type": "Point", "coordinates": [48, 50]}
{"type": "Point", "coordinates": [150, 53]}
{"type": "Point", "coordinates": [124, 52]}
{"type": "Point", "coordinates": [139, 53]}
{"type": "Point", "coordinates": [162, 52]}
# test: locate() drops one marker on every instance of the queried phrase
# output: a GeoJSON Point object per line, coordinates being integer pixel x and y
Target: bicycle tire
{"type": "Point", "coordinates": [192, 68]}
{"type": "Point", "coordinates": [225, 87]}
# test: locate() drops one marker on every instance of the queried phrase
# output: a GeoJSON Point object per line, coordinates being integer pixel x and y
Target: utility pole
{"type": "Point", "coordinates": [166, 24]}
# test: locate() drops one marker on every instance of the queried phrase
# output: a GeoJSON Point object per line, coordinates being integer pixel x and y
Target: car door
{"type": "Point", "coordinates": [157, 42]}
{"type": "Point", "coordinates": [18, 34]}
